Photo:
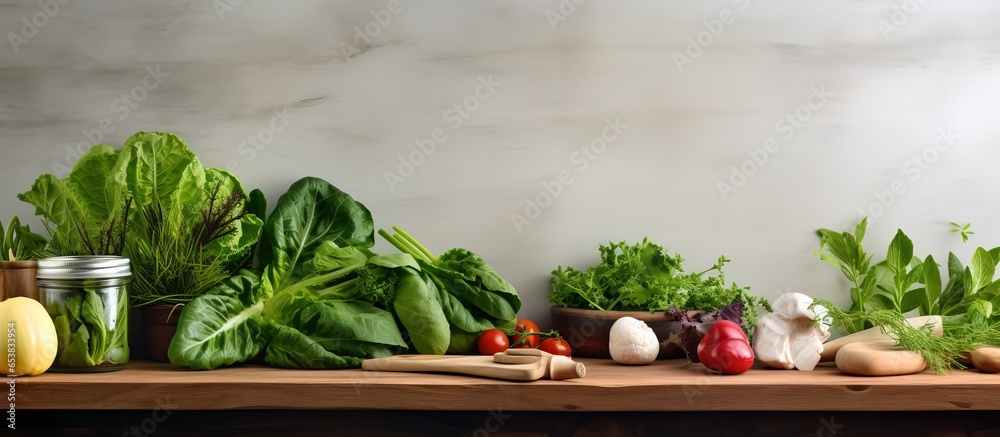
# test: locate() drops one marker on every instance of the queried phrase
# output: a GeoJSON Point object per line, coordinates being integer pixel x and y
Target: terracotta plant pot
{"type": "Point", "coordinates": [17, 278]}
{"type": "Point", "coordinates": [160, 327]}
{"type": "Point", "coordinates": [587, 331]}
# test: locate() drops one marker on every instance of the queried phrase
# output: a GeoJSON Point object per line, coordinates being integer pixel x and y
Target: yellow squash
{"type": "Point", "coordinates": [30, 337]}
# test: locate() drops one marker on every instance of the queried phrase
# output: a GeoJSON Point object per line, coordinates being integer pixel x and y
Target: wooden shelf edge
{"type": "Point", "coordinates": [607, 388]}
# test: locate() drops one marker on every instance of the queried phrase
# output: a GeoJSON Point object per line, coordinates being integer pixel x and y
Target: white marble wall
{"type": "Point", "coordinates": [881, 87]}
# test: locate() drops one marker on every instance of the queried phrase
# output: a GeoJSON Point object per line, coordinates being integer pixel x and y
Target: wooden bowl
{"type": "Point", "coordinates": [587, 331]}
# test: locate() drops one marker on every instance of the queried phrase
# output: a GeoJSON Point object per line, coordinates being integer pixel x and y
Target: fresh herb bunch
{"type": "Point", "coordinates": [941, 353]}
{"type": "Point", "coordinates": [644, 277]}
{"type": "Point", "coordinates": [18, 243]}
{"type": "Point", "coordinates": [171, 268]}
{"type": "Point", "coordinates": [903, 282]}
{"type": "Point", "coordinates": [184, 227]}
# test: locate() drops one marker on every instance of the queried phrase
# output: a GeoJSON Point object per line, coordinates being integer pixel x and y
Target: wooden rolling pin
{"type": "Point", "coordinates": [511, 365]}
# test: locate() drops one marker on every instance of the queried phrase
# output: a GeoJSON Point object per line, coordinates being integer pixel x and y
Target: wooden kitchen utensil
{"type": "Point", "coordinates": [832, 347]}
{"type": "Point", "coordinates": [878, 358]}
{"type": "Point", "coordinates": [527, 365]}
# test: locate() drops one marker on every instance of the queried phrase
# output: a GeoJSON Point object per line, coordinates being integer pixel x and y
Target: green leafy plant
{"type": "Point", "coordinates": [470, 296]}
{"type": "Point", "coordinates": [890, 284]}
{"type": "Point", "coordinates": [90, 331]}
{"type": "Point", "coordinates": [963, 230]}
{"type": "Point", "coordinates": [87, 212]}
{"type": "Point", "coordinates": [903, 282]}
{"type": "Point", "coordinates": [184, 227]}
{"type": "Point", "coordinates": [295, 313]}
{"type": "Point", "coordinates": [942, 353]}
{"type": "Point", "coordinates": [168, 268]}
{"type": "Point", "coordinates": [325, 301]}
{"type": "Point", "coordinates": [644, 277]}
{"type": "Point", "coordinates": [19, 243]}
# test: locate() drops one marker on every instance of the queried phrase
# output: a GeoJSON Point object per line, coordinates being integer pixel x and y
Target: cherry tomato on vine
{"type": "Point", "coordinates": [492, 341]}
{"type": "Point", "coordinates": [556, 346]}
{"type": "Point", "coordinates": [525, 325]}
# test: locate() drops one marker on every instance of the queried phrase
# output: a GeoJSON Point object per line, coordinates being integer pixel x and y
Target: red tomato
{"type": "Point", "coordinates": [556, 346]}
{"type": "Point", "coordinates": [525, 325]}
{"type": "Point", "coordinates": [492, 341]}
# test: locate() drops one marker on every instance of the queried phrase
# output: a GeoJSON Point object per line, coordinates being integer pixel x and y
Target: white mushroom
{"type": "Point", "coordinates": [632, 342]}
{"type": "Point", "coordinates": [790, 337]}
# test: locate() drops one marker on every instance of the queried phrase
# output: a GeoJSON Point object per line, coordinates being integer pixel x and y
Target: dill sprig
{"type": "Point", "coordinates": [942, 353]}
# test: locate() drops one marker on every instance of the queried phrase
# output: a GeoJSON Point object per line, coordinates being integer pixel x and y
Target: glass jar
{"type": "Point", "coordinates": [87, 298]}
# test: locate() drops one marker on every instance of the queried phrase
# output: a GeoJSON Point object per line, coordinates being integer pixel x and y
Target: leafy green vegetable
{"type": "Point", "coordinates": [903, 282]}
{"type": "Point", "coordinates": [352, 329]}
{"type": "Point", "coordinates": [314, 306]}
{"type": "Point", "coordinates": [183, 226]}
{"type": "Point", "coordinates": [85, 213]}
{"type": "Point", "coordinates": [941, 353]}
{"type": "Point", "coordinates": [189, 229]}
{"type": "Point", "coordinates": [222, 327]}
{"type": "Point", "coordinates": [459, 293]}
{"type": "Point", "coordinates": [644, 277]}
{"type": "Point", "coordinates": [310, 214]}
{"type": "Point", "coordinates": [18, 243]}
{"type": "Point", "coordinates": [292, 349]}
{"type": "Point", "coordinates": [419, 310]}
{"type": "Point", "coordinates": [91, 331]}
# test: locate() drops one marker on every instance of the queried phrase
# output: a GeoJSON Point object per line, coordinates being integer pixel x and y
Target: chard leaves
{"type": "Point", "coordinates": [304, 312]}
{"type": "Point", "coordinates": [311, 213]}
{"type": "Point", "coordinates": [222, 327]}
{"type": "Point", "coordinates": [420, 311]}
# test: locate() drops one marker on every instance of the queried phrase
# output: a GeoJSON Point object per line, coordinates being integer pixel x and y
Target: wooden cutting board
{"type": "Point", "coordinates": [514, 365]}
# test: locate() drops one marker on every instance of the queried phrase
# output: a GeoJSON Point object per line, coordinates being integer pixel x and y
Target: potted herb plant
{"type": "Point", "coordinates": [18, 266]}
{"type": "Point", "coordinates": [645, 282]}
{"type": "Point", "coordinates": [185, 228]}
{"type": "Point", "coordinates": [173, 266]}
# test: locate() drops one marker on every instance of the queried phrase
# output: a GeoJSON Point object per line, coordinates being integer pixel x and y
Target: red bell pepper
{"type": "Point", "coordinates": [726, 349]}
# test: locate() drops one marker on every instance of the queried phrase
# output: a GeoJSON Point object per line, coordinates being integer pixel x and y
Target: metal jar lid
{"type": "Point", "coordinates": [84, 267]}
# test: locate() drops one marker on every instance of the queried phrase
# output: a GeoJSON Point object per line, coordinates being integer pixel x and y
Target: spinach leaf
{"type": "Point", "coordinates": [221, 327]}
{"type": "Point", "coordinates": [463, 343]}
{"type": "Point", "coordinates": [459, 316]}
{"type": "Point", "coordinates": [308, 309]}
{"type": "Point", "coordinates": [310, 213]}
{"type": "Point", "coordinates": [490, 303]}
{"type": "Point", "coordinates": [420, 312]}
{"type": "Point", "coordinates": [474, 268]}
{"type": "Point", "coordinates": [350, 328]}
{"type": "Point", "coordinates": [87, 334]}
{"type": "Point", "coordinates": [93, 316]}
{"type": "Point", "coordinates": [472, 296]}
{"type": "Point", "coordinates": [62, 331]}
{"type": "Point", "coordinates": [77, 352]}
{"type": "Point", "coordinates": [292, 349]}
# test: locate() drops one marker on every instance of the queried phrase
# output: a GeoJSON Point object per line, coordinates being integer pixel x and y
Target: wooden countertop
{"type": "Point", "coordinates": [663, 386]}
